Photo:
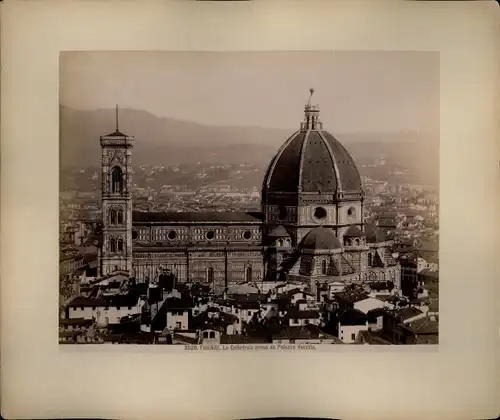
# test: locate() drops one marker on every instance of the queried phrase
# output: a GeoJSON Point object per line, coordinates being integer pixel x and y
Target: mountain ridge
{"type": "Point", "coordinates": [171, 141]}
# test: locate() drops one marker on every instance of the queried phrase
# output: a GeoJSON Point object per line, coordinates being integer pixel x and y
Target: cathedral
{"type": "Point", "coordinates": [310, 227]}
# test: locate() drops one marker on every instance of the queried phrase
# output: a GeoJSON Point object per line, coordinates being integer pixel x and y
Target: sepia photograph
{"type": "Point", "coordinates": [226, 200]}
{"type": "Point", "coordinates": [268, 206]}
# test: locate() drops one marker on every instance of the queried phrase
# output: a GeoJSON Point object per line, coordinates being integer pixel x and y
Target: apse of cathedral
{"type": "Point", "coordinates": [310, 228]}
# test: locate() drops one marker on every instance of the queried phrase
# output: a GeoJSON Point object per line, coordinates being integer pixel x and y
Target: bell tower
{"type": "Point", "coordinates": [116, 174]}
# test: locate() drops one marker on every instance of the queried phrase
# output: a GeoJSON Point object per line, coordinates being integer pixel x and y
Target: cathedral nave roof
{"type": "Point", "coordinates": [196, 217]}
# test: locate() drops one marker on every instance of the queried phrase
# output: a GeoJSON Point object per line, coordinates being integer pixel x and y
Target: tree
{"type": "Point", "coordinates": [95, 227]}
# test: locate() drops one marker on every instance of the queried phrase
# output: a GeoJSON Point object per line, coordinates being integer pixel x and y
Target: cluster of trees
{"type": "Point", "coordinates": [94, 238]}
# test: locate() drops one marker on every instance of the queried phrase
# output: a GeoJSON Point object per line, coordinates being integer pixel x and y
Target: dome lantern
{"type": "Point", "coordinates": [311, 115]}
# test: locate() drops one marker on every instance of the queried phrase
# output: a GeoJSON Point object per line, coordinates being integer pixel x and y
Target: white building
{"type": "Point", "coordinates": [350, 323]}
{"type": "Point", "coordinates": [107, 310]}
{"type": "Point", "coordinates": [178, 313]}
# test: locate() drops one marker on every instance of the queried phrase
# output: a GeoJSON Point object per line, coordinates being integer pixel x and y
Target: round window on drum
{"type": "Point", "coordinates": [210, 235]}
{"type": "Point", "coordinates": [247, 235]}
{"type": "Point", "coordinates": [171, 235]}
{"type": "Point", "coordinates": [351, 213]}
{"type": "Point", "coordinates": [320, 213]}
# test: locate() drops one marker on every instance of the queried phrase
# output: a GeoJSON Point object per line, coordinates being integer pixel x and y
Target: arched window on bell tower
{"type": "Point", "coordinates": [112, 217]}
{"type": "Point", "coordinates": [370, 260]}
{"type": "Point", "coordinates": [119, 216]}
{"type": "Point", "coordinates": [323, 267]}
{"type": "Point", "coordinates": [112, 245]}
{"type": "Point", "coordinates": [117, 180]}
{"type": "Point", "coordinates": [120, 245]}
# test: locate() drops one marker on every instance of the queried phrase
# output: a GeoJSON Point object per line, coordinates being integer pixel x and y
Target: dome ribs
{"type": "Point", "coordinates": [318, 173]}
{"type": "Point", "coordinates": [284, 177]}
{"type": "Point", "coordinates": [350, 179]}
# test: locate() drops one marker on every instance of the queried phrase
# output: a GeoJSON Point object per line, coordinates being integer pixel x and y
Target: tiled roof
{"type": "Point", "coordinates": [75, 321]}
{"type": "Point", "coordinates": [377, 260]}
{"type": "Point", "coordinates": [247, 305]}
{"type": "Point", "coordinates": [417, 301]}
{"type": "Point", "coordinates": [292, 292]}
{"type": "Point", "coordinates": [390, 261]}
{"type": "Point", "coordinates": [138, 338]}
{"type": "Point", "coordinates": [424, 326]}
{"type": "Point", "coordinates": [430, 246]}
{"type": "Point", "coordinates": [314, 329]}
{"type": "Point", "coordinates": [303, 333]}
{"type": "Point", "coordinates": [375, 313]}
{"type": "Point", "coordinates": [184, 339]}
{"type": "Point", "coordinates": [129, 299]}
{"type": "Point", "coordinates": [428, 256]}
{"type": "Point", "coordinates": [309, 314]}
{"type": "Point", "coordinates": [282, 303]}
{"type": "Point", "coordinates": [369, 337]}
{"type": "Point", "coordinates": [250, 297]}
{"type": "Point", "coordinates": [381, 285]}
{"type": "Point", "coordinates": [222, 302]}
{"type": "Point", "coordinates": [87, 258]}
{"type": "Point", "coordinates": [373, 234]}
{"type": "Point", "coordinates": [351, 296]}
{"type": "Point", "coordinates": [203, 321]}
{"type": "Point", "coordinates": [241, 339]}
{"type": "Point", "coordinates": [429, 273]}
{"type": "Point", "coordinates": [434, 305]}
{"type": "Point", "coordinates": [294, 333]}
{"type": "Point", "coordinates": [176, 303]}
{"type": "Point", "coordinates": [346, 266]}
{"type": "Point", "coordinates": [408, 312]}
{"type": "Point", "coordinates": [386, 224]}
{"type": "Point", "coordinates": [65, 334]}
{"type": "Point", "coordinates": [87, 302]}
{"type": "Point", "coordinates": [228, 319]}
{"type": "Point", "coordinates": [169, 217]}
{"type": "Point", "coordinates": [114, 337]}
{"type": "Point", "coordinates": [387, 298]}
{"type": "Point", "coordinates": [352, 316]}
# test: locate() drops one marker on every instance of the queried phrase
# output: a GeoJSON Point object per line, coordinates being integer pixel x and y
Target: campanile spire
{"type": "Point", "coordinates": [116, 118]}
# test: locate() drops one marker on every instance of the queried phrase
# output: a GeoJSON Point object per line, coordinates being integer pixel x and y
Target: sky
{"type": "Point", "coordinates": [357, 91]}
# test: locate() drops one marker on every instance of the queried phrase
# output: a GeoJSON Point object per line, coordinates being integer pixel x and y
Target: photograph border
{"type": "Point", "coordinates": [459, 381]}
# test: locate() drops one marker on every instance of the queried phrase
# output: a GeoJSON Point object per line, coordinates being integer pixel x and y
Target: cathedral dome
{"type": "Point", "coordinates": [278, 232]}
{"type": "Point", "coordinates": [312, 161]}
{"type": "Point", "coordinates": [353, 232]}
{"type": "Point", "coordinates": [373, 234]}
{"type": "Point", "coordinates": [320, 239]}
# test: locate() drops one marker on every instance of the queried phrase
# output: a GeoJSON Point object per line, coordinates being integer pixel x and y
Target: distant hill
{"type": "Point", "coordinates": [168, 141]}
{"type": "Point", "coordinates": [163, 140]}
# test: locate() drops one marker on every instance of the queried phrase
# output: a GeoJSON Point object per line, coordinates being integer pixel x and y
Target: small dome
{"type": "Point", "coordinates": [278, 232]}
{"type": "Point", "coordinates": [353, 232]}
{"type": "Point", "coordinates": [373, 234]}
{"type": "Point", "coordinates": [320, 239]}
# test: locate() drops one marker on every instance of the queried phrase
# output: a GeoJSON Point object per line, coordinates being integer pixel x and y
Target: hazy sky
{"type": "Point", "coordinates": [357, 91]}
